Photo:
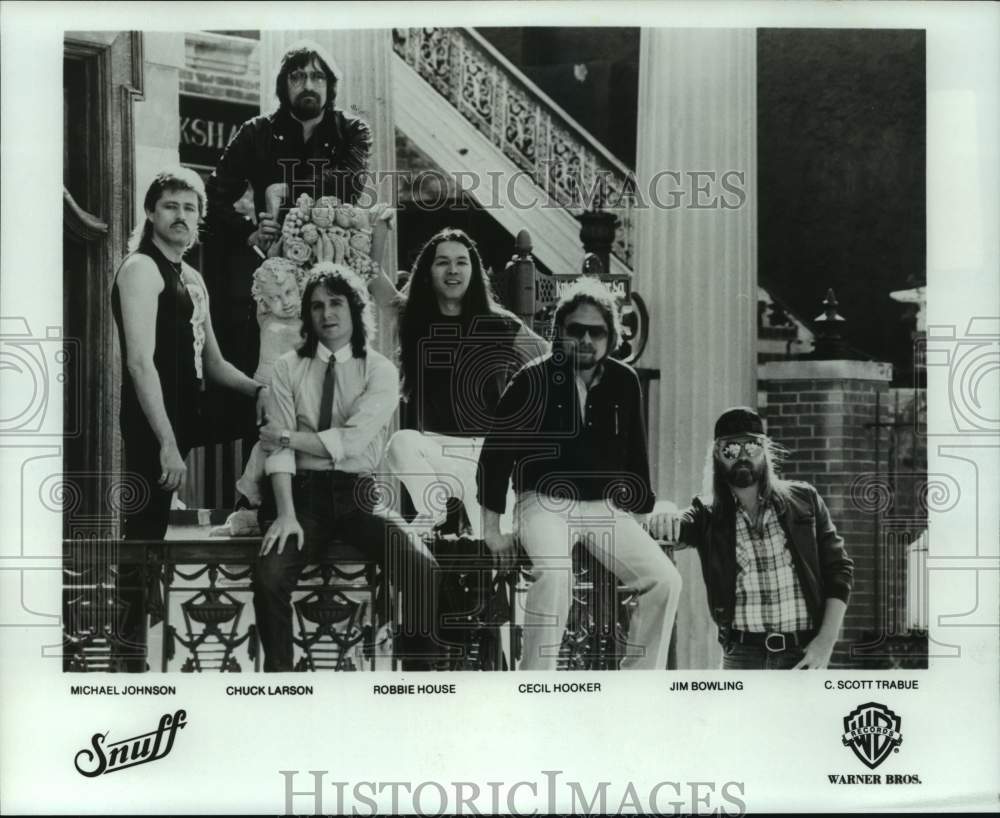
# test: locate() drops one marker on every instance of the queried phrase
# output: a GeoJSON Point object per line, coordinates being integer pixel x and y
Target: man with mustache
{"type": "Point", "coordinates": [305, 146]}
{"type": "Point", "coordinates": [775, 569]}
{"type": "Point", "coordinates": [569, 429]}
{"type": "Point", "coordinates": [169, 350]}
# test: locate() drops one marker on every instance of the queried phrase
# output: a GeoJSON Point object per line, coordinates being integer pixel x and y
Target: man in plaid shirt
{"type": "Point", "coordinates": [777, 576]}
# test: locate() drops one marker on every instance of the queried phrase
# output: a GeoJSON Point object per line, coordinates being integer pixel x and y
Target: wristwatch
{"type": "Point", "coordinates": [285, 439]}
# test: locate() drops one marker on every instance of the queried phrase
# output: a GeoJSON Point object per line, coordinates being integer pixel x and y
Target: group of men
{"type": "Point", "coordinates": [557, 428]}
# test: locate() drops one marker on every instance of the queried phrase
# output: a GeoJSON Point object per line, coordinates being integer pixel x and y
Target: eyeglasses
{"type": "Point", "coordinates": [299, 77]}
{"type": "Point", "coordinates": [730, 449]}
{"type": "Point", "coordinates": [577, 331]}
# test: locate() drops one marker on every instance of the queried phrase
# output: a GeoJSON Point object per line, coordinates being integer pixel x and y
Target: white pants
{"type": "Point", "coordinates": [548, 528]}
{"type": "Point", "coordinates": [435, 467]}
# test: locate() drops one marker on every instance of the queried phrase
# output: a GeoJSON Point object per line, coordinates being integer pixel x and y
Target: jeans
{"type": "Point", "coordinates": [335, 505]}
{"type": "Point", "coordinates": [145, 516]}
{"type": "Point", "coordinates": [737, 656]}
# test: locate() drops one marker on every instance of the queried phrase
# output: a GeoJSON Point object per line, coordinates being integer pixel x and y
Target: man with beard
{"type": "Point", "coordinates": [305, 146]}
{"type": "Point", "coordinates": [569, 427]}
{"type": "Point", "coordinates": [775, 569]}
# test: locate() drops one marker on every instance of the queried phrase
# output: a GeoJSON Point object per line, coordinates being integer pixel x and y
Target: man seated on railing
{"type": "Point", "coordinates": [570, 428]}
{"type": "Point", "coordinates": [332, 400]}
{"type": "Point", "coordinates": [457, 349]}
{"type": "Point", "coordinates": [777, 576]}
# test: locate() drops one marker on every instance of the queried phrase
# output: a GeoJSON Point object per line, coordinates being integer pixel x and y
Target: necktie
{"type": "Point", "coordinates": [326, 401]}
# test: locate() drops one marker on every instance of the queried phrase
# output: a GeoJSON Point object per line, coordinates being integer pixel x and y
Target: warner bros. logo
{"type": "Point", "coordinates": [872, 731]}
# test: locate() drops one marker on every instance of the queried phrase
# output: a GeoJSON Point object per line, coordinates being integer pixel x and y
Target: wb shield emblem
{"type": "Point", "coordinates": [872, 732]}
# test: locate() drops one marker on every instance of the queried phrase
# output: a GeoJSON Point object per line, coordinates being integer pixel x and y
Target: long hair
{"type": "Point", "coordinates": [168, 180]}
{"type": "Point", "coordinates": [719, 493]}
{"type": "Point", "coordinates": [587, 290]}
{"type": "Point", "coordinates": [418, 306]}
{"type": "Point", "coordinates": [301, 57]}
{"type": "Point", "coordinates": [339, 280]}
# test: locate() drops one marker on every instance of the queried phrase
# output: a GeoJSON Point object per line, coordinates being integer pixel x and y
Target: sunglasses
{"type": "Point", "coordinates": [729, 450]}
{"type": "Point", "coordinates": [598, 332]}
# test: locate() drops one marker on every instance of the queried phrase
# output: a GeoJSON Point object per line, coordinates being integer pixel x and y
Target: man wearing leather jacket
{"type": "Point", "coordinates": [307, 146]}
{"type": "Point", "coordinates": [775, 569]}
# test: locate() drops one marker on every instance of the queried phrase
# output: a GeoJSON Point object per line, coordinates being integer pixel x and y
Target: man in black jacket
{"type": "Point", "coordinates": [305, 146]}
{"type": "Point", "coordinates": [569, 428]}
{"type": "Point", "coordinates": [777, 576]}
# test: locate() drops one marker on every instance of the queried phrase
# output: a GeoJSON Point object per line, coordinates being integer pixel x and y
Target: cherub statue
{"type": "Point", "coordinates": [276, 289]}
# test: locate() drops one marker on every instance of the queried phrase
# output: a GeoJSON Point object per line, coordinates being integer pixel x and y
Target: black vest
{"type": "Point", "coordinates": [173, 356]}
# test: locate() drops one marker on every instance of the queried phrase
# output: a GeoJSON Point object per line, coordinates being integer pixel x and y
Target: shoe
{"type": "Point", "coordinates": [456, 520]}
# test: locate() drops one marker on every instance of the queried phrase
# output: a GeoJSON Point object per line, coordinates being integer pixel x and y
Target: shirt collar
{"type": "Point", "coordinates": [598, 375]}
{"type": "Point", "coordinates": [341, 355]}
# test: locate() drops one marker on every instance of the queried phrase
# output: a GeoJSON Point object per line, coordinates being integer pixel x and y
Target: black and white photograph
{"type": "Point", "coordinates": [399, 340]}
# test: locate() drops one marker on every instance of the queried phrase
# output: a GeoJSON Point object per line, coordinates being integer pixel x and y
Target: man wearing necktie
{"type": "Point", "coordinates": [327, 422]}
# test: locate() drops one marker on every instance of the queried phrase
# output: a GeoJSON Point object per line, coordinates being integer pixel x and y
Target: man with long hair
{"type": "Point", "coordinates": [160, 307]}
{"type": "Point", "coordinates": [775, 569]}
{"type": "Point", "coordinates": [569, 429]}
{"type": "Point", "coordinates": [306, 145]}
{"type": "Point", "coordinates": [458, 348]}
{"type": "Point", "coordinates": [332, 399]}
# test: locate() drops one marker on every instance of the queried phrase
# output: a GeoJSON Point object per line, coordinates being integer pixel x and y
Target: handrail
{"type": "Point", "coordinates": [522, 121]}
{"type": "Point", "coordinates": [582, 132]}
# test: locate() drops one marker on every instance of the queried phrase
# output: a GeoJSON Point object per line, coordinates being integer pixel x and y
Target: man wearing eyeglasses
{"type": "Point", "coordinates": [569, 430]}
{"type": "Point", "coordinates": [775, 569]}
{"type": "Point", "coordinates": [305, 146]}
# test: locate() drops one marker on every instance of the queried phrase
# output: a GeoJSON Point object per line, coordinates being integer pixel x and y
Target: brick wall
{"type": "Point", "coordinates": [822, 412]}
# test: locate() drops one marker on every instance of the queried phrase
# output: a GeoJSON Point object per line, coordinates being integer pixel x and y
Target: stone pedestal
{"type": "Point", "coordinates": [824, 413]}
{"type": "Point", "coordinates": [696, 262]}
{"type": "Point", "coordinates": [362, 58]}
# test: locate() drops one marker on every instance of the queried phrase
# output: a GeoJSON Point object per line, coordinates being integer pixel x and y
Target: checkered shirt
{"type": "Point", "coordinates": [768, 595]}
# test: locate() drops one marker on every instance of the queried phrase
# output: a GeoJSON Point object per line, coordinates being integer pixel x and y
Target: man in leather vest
{"type": "Point", "coordinates": [775, 569]}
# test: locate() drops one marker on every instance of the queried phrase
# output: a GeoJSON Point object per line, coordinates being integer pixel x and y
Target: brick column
{"type": "Point", "coordinates": [821, 411]}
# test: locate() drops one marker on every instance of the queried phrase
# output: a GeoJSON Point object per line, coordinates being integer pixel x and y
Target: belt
{"type": "Point", "coordinates": [773, 641]}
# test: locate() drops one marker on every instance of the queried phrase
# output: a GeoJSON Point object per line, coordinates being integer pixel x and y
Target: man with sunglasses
{"type": "Point", "coordinates": [569, 429]}
{"type": "Point", "coordinates": [775, 569]}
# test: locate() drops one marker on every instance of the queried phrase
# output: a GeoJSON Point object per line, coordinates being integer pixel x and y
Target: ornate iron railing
{"type": "Point", "coordinates": [575, 170]}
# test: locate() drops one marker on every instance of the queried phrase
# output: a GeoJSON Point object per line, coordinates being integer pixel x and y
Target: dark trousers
{"type": "Point", "coordinates": [332, 505]}
{"type": "Point", "coordinates": [145, 514]}
{"type": "Point", "coordinates": [756, 657]}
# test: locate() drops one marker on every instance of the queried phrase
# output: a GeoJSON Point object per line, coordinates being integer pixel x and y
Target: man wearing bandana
{"type": "Point", "coordinates": [775, 569]}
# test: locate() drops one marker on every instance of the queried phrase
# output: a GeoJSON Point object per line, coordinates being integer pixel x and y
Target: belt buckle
{"type": "Point", "coordinates": [767, 642]}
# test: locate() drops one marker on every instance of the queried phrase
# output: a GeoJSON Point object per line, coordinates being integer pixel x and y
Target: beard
{"type": "Point", "coordinates": [743, 474]}
{"type": "Point", "coordinates": [307, 106]}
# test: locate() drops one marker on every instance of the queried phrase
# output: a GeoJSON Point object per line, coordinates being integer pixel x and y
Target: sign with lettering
{"type": "Point", "coordinates": [207, 125]}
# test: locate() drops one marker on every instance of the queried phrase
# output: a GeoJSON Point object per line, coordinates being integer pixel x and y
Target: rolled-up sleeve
{"type": "Point", "coordinates": [281, 409]}
{"type": "Point", "coordinates": [369, 415]}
